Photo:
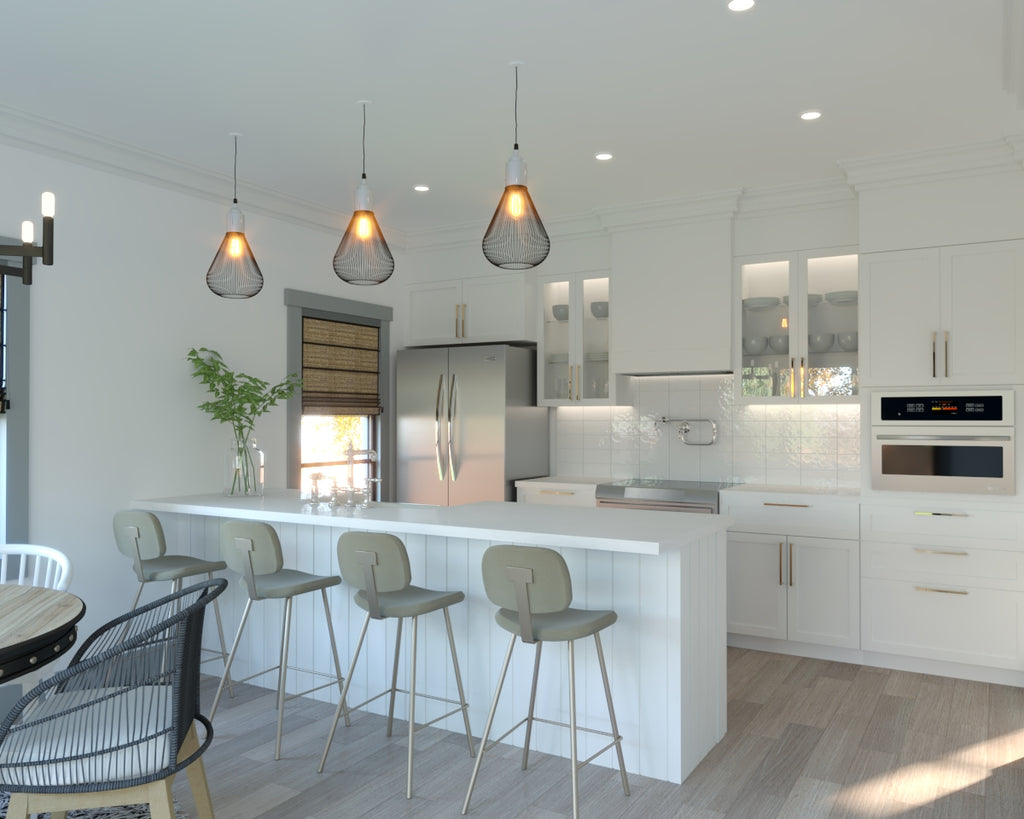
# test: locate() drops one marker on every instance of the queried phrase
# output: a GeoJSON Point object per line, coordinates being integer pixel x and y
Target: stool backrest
{"type": "Point", "coordinates": [546, 578]}
{"type": "Point", "coordinates": [373, 562]}
{"type": "Point", "coordinates": [139, 536]}
{"type": "Point", "coordinates": [250, 548]}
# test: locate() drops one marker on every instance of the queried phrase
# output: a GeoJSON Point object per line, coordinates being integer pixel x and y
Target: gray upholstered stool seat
{"type": "Point", "coordinates": [140, 538]}
{"type": "Point", "coordinates": [253, 550]}
{"type": "Point", "coordinates": [377, 566]}
{"type": "Point", "coordinates": [533, 591]}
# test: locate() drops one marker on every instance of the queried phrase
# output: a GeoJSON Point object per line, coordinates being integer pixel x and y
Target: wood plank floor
{"type": "Point", "coordinates": [807, 738]}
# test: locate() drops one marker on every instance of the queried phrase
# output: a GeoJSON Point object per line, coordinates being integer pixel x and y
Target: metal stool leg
{"type": "Point", "coordinates": [394, 674]}
{"type": "Point", "coordinates": [490, 721]}
{"type": "Point", "coordinates": [220, 635]}
{"type": "Point", "coordinates": [412, 706]}
{"type": "Point", "coordinates": [282, 673]}
{"type": "Point", "coordinates": [611, 713]}
{"type": "Point", "coordinates": [533, 702]}
{"type": "Point", "coordinates": [231, 657]}
{"type": "Point", "coordinates": [334, 654]}
{"type": "Point", "coordinates": [344, 693]}
{"type": "Point", "coordinates": [458, 681]}
{"type": "Point", "coordinates": [572, 731]}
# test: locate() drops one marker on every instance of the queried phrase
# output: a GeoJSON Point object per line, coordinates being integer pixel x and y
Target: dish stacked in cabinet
{"type": "Point", "coordinates": [793, 569]}
{"type": "Point", "coordinates": [944, 582]}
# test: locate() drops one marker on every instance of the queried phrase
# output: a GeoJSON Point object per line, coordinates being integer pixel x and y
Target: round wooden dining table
{"type": "Point", "coordinates": [37, 626]}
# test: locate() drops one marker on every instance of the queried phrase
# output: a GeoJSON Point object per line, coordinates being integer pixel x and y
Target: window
{"type": "Point", "coordinates": [337, 427]}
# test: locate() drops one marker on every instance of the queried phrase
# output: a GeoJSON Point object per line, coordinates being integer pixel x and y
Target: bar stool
{"type": "Point", "coordinates": [253, 550]}
{"type": "Point", "coordinates": [140, 537]}
{"type": "Point", "coordinates": [377, 565]}
{"type": "Point", "coordinates": [532, 589]}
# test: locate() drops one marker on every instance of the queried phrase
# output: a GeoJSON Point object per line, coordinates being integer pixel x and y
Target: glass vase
{"type": "Point", "coordinates": [244, 468]}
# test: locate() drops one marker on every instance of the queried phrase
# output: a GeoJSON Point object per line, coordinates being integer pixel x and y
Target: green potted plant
{"type": "Point", "coordinates": [239, 399]}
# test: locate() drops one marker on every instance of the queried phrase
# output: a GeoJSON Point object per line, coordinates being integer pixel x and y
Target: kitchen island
{"type": "Point", "coordinates": [663, 572]}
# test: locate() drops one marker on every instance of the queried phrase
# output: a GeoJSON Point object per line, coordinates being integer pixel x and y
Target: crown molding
{"type": "Point", "coordinates": [699, 208]}
{"type": "Point", "coordinates": [890, 170]}
{"type": "Point", "coordinates": [20, 129]}
{"type": "Point", "coordinates": [797, 197]}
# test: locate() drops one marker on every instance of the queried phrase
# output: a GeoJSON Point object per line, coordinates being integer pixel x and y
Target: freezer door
{"type": "Point", "coordinates": [477, 409]}
{"type": "Point", "coordinates": [422, 390]}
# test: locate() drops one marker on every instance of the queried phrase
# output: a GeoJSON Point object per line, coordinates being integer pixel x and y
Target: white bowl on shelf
{"type": "Point", "coordinates": [779, 344]}
{"type": "Point", "coordinates": [820, 342]}
{"type": "Point", "coordinates": [755, 345]}
{"type": "Point", "coordinates": [599, 309]}
{"type": "Point", "coordinates": [848, 342]}
{"type": "Point", "coordinates": [560, 312]}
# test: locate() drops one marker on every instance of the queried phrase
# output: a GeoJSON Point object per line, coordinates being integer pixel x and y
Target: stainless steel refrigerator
{"type": "Point", "coordinates": [467, 423]}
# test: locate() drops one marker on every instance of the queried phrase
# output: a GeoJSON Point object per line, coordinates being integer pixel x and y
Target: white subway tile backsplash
{"type": "Point", "coordinates": [793, 444]}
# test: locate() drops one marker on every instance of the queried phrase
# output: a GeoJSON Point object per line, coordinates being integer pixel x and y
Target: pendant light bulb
{"type": "Point", "coordinates": [516, 238]}
{"type": "Point", "coordinates": [363, 257]}
{"type": "Point", "coordinates": [234, 274]}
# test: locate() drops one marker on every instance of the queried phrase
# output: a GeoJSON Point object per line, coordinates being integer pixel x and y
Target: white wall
{"type": "Point", "coordinates": [113, 405]}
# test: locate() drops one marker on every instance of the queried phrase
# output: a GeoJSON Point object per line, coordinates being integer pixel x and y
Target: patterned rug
{"type": "Point", "coordinates": [122, 812]}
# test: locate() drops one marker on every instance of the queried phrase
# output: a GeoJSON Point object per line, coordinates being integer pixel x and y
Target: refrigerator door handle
{"type": "Point", "coordinates": [452, 398]}
{"type": "Point", "coordinates": [437, 426]}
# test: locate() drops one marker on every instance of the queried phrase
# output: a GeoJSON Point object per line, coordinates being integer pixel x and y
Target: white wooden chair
{"type": "Point", "coordinates": [26, 564]}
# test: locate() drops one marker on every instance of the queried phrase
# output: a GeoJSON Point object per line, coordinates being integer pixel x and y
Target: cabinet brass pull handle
{"type": "Point", "coordinates": [803, 376]}
{"type": "Point", "coordinates": [940, 591]}
{"type": "Point", "coordinates": [790, 505]}
{"type": "Point", "coordinates": [555, 492]}
{"type": "Point", "coordinates": [578, 379]}
{"type": "Point", "coordinates": [940, 552]}
{"type": "Point", "coordinates": [791, 563]}
{"type": "Point", "coordinates": [944, 514]}
{"type": "Point", "coordinates": [463, 320]}
{"type": "Point", "coordinates": [569, 396]}
{"type": "Point", "coordinates": [945, 353]}
{"type": "Point", "coordinates": [456, 321]}
{"type": "Point", "coordinates": [780, 563]}
{"type": "Point", "coordinates": [933, 354]}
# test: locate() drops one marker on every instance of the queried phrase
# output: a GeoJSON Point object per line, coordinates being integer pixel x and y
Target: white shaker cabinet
{"type": "Point", "coordinates": [793, 567]}
{"type": "Point", "coordinates": [482, 309]}
{"type": "Point", "coordinates": [946, 315]}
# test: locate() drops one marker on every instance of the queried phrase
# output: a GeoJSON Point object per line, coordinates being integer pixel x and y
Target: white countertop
{"type": "Point", "coordinates": [617, 530]}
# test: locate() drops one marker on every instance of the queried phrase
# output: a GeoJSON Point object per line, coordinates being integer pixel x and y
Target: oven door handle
{"type": "Point", "coordinates": [893, 437]}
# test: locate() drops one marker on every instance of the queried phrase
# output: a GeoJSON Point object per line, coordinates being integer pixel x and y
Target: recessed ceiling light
{"type": "Point", "coordinates": [810, 115]}
{"type": "Point", "coordinates": [603, 156]}
{"type": "Point", "coordinates": [740, 5]}
{"type": "Point", "coordinates": [421, 188]}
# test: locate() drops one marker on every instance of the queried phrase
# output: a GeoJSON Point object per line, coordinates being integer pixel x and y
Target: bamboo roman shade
{"type": "Point", "coordinates": [340, 368]}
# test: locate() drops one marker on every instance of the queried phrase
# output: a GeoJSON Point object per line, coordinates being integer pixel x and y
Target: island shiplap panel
{"type": "Point", "coordinates": [665, 654]}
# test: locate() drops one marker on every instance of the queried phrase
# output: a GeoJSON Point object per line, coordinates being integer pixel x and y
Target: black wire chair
{"type": "Point", "coordinates": [117, 725]}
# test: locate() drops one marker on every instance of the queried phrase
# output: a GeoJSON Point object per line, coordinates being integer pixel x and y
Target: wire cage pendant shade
{"type": "Point", "coordinates": [234, 274]}
{"type": "Point", "coordinates": [363, 256]}
{"type": "Point", "coordinates": [515, 238]}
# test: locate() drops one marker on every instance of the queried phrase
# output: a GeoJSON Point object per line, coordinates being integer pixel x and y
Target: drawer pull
{"type": "Point", "coordinates": [780, 564]}
{"type": "Point", "coordinates": [790, 563]}
{"type": "Point", "coordinates": [792, 505]}
{"type": "Point", "coordinates": [939, 591]}
{"type": "Point", "coordinates": [940, 552]}
{"type": "Point", "coordinates": [556, 492]}
{"type": "Point", "coordinates": [944, 514]}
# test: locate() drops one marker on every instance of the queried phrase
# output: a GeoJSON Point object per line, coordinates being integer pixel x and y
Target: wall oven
{"type": "Point", "coordinates": [949, 441]}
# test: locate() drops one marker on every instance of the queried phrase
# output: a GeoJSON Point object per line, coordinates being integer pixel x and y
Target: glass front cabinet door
{"type": "Point", "coordinates": [798, 327]}
{"type": "Point", "coordinates": [572, 359]}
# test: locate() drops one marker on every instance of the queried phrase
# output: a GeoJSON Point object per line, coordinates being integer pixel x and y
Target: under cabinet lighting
{"type": "Point", "coordinates": [809, 116]}
{"type": "Point", "coordinates": [741, 5]}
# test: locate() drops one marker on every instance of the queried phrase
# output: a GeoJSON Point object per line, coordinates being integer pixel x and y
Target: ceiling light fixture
{"type": "Point", "coordinates": [741, 5]}
{"type": "Point", "coordinates": [363, 256]}
{"type": "Point", "coordinates": [234, 274]}
{"type": "Point", "coordinates": [604, 156]}
{"type": "Point", "coordinates": [515, 238]}
{"type": "Point", "coordinates": [809, 116]}
{"type": "Point", "coordinates": [421, 188]}
{"type": "Point", "coordinates": [27, 250]}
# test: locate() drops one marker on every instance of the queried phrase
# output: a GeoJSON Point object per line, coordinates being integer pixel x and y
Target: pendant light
{"type": "Point", "coordinates": [515, 238]}
{"type": "Point", "coordinates": [363, 256]}
{"type": "Point", "coordinates": [234, 273]}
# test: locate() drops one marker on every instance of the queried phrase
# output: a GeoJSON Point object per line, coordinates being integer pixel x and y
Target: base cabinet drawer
{"type": "Point", "coordinates": [958, 564]}
{"type": "Point", "coordinates": [943, 621]}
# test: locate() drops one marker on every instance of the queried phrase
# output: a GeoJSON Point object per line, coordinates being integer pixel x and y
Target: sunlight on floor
{"type": "Point", "coordinates": [920, 783]}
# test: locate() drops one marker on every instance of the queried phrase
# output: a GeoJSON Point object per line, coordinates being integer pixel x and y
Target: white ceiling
{"type": "Point", "coordinates": [691, 98]}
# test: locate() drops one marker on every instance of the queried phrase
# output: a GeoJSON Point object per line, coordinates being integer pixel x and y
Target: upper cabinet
{"type": "Point", "coordinates": [798, 336]}
{"type": "Point", "coordinates": [572, 354]}
{"type": "Point", "coordinates": [948, 315]}
{"type": "Point", "coordinates": [482, 309]}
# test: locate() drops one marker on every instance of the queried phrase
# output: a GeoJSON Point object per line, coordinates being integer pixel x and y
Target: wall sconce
{"type": "Point", "coordinates": [27, 250]}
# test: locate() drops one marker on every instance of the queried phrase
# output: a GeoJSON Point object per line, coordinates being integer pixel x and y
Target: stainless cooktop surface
{"type": "Point", "coordinates": [662, 490]}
